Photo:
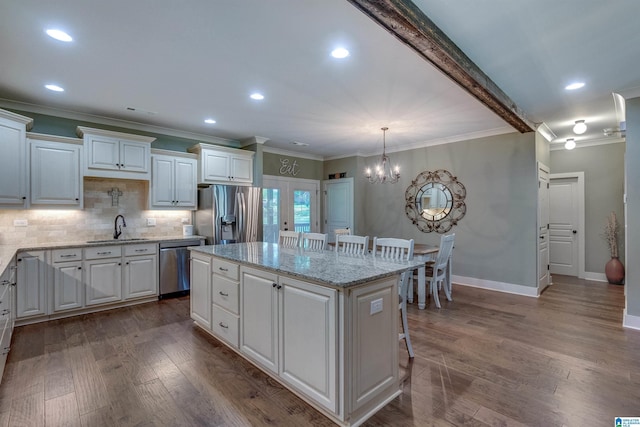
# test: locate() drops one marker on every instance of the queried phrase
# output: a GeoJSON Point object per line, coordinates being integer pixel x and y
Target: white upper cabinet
{"type": "Point", "coordinates": [223, 165]}
{"type": "Point", "coordinates": [173, 180]}
{"type": "Point", "coordinates": [111, 154]}
{"type": "Point", "coordinates": [56, 171]}
{"type": "Point", "coordinates": [13, 162]}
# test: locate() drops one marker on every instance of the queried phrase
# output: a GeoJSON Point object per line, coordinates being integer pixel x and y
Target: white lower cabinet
{"type": "Point", "coordinates": [7, 314]}
{"type": "Point", "coordinates": [308, 356]}
{"type": "Point", "coordinates": [31, 297]}
{"type": "Point", "coordinates": [225, 307]}
{"type": "Point", "coordinates": [140, 271]}
{"type": "Point", "coordinates": [200, 294]}
{"type": "Point", "coordinates": [103, 274]}
{"type": "Point", "coordinates": [67, 286]}
{"type": "Point", "coordinates": [302, 353]}
{"type": "Point", "coordinates": [259, 297]}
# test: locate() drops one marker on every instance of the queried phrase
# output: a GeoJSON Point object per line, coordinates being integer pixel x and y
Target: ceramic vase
{"type": "Point", "coordinates": [614, 270]}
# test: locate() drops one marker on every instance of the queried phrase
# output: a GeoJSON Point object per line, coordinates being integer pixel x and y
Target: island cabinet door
{"type": "Point", "coordinates": [259, 295]}
{"type": "Point", "coordinates": [308, 344]}
{"type": "Point", "coordinates": [201, 290]}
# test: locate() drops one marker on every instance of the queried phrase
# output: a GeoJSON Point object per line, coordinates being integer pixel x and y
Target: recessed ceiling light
{"type": "Point", "coordinates": [209, 121]}
{"type": "Point", "coordinates": [574, 86]}
{"type": "Point", "coordinates": [59, 35]}
{"type": "Point", "coordinates": [340, 53]}
{"type": "Point", "coordinates": [257, 96]}
{"type": "Point", "coordinates": [54, 88]}
{"type": "Point", "coordinates": [570, 144]}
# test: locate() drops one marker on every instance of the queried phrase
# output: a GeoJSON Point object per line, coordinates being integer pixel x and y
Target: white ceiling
{"type": "Point", "coordinates": [186, 61]}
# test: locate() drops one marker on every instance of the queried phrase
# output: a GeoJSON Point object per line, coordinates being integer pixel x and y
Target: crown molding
{"type": "Point", "coordinates": [74, 115]}
{"type": "Point", "coordinates": [282, 152]}
{"type": "Point", "coordinates": [556, 146]}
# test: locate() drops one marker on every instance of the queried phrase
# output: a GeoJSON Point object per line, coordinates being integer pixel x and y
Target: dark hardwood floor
{"type": "Point", "coordinates": [485, 359]}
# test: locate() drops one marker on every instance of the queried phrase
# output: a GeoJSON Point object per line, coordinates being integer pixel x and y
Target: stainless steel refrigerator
{"type": "Point", "coordinates": [229, 214]}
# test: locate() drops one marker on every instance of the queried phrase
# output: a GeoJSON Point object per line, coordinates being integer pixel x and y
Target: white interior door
{"type": "Point", "coordinates": [289, 204]}
{"type": "Point", "coordinates": [338, 205]}
{"type": "Point", "coordinates": [564, 226]}
{"type": "Point", "coordinates": [543, 227]}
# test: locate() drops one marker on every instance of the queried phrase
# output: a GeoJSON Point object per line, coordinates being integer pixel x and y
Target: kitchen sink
{"type": "Point", "coordinates": [116, 240]}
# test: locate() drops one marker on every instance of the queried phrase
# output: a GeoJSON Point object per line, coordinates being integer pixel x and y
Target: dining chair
{"type": "Point", "coordinates": [398, 249]}
{"type": "Point", "coordinates": [289, 239]}
{"type": "Point", "coordinates": [314, 241]}
{"type": "Point", "coordinates": [438, 271]}
{"type": "Point", "coordinates": [350, 244]}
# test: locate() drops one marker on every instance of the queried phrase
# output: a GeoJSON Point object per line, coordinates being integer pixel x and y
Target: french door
{"type": "Point", "coordinates": [289, 204]}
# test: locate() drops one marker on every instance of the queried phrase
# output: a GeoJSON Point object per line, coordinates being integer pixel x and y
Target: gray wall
{"type": "Point", "coordinates": [306, 168]}
{"type": "Point", "coordinates": [632, 281]}
{"type": "Point", "coordinates": [496, 240]}
{"type": "Point", "coordinates": [603, 167]}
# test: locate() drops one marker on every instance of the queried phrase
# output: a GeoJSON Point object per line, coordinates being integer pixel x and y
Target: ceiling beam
{"type": "Point", "coordinates": [409, 24]}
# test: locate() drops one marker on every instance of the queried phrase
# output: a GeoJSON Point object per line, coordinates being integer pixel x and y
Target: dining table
{"type": "Point", "coordinates": [425, 253]}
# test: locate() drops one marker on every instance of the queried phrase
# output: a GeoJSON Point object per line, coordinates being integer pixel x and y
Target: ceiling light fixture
{"type": "Point", "coordinates": [54, 88]}
{"type": "Point", "coordinates": [59, 35]}
{"type": "Point", "coordinates": [580, 127]}
{"type": "Point", "coordinates": [209, 121]}
{"type": "Point", "coordinates": [574, 86]}
{"type": "Point", "coordinates": [570, 144]}
{"type": "Point", "coordinates": [340, 53]}
{"type": "Point", "coordinates": [383, 173]}
{"type": "Point", "coordinates": [257, 96]}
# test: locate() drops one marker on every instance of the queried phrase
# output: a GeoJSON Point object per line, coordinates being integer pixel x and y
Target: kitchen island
{"type": "Point", "coordinates": [324, 324]}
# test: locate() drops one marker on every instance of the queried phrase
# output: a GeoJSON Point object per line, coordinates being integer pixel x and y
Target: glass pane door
{"type": "Point", "coordinates": [289, 204]}
{"type": "Point", "coordinates": [270, 214]}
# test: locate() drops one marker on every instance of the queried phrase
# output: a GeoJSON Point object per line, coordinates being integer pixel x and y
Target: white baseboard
{"type": "Point", "coordinates": [509, 288]}
{"type": "Point", "coordinates": [596, 277]}
{"type": "Point", "coordinates": [629, 321]}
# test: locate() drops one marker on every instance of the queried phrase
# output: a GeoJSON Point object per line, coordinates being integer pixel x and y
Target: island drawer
{"type": "Point", "coordinates": [62, 255]}
{"type": "Point", "coordinates": [225, 325]}
{"type": "Point", "coordinates": [225, 268]}
{"type": "Point", "coordinates": [144, 249]}
{"type": "Point", "coordinates": [103, 252]}
{"type": "Point", "coordinates": [225, 293]}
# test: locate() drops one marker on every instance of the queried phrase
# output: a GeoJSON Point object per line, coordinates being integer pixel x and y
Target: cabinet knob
{"type": "Point", "coordinates": [119, 263]}
{"type": "Point", "coordinates": [279, 286]}
{"type": "Point", "coordinates": [79, 268]}
{"type": "Point", "coordinates": [274, 285]}
{"type": "Point", "coordinates": [24, 197]}
{"type": "Point", "coordinates": [77, 199]}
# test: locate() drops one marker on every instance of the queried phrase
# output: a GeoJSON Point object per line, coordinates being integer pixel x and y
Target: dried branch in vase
{"type": "Point", "coordinates": [610, 234]}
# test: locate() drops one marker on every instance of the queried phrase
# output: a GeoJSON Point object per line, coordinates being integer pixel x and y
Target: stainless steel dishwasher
{"type": "Point", "coordinates": [174, 267]}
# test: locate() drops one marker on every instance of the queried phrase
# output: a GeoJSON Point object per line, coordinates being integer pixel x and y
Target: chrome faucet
{"type": "Point", "coordinates": [117, 230]}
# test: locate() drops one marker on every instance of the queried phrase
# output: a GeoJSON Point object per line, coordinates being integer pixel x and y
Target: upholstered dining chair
{"type": "Point", "coordinates": [350, 244]}
{"type": "Point", "coordinates": [398, 249]}
{"type": "Point", "coordinates": [289, 239]}
{"type": "Point", "coordinates": [314, 241]}
{"type": "Point", "coordinates": [437, 272]}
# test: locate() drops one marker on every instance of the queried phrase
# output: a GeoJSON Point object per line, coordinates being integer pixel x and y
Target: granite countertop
{"type": "Point", "coordinates": [325, 267]}
{"type": "Point", "coordinates": [7, 251]}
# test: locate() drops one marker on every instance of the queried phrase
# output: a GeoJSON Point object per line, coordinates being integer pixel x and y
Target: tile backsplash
{"type": "Point", "coordinates": [96, 220]}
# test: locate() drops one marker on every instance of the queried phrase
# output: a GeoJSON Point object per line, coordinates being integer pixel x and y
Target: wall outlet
{"type": "Point", "coordinates": [185, 220]}
{"type": "Point", "coordinates": [20, 222]}
{"type": "Point", "coordinates": [151, 222]}
{"type": "Point", "coordinates": [376, 306]}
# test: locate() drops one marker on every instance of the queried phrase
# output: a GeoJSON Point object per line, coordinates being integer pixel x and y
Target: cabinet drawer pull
{"type": "Point", "coordinates": [223, 325]}
{"type": "Point", "coordinates": [104, 253]}
{"type": "Point", "coordinates": [224, 294]}
{"type": "Point", "coordinates": [223, 269]}
{"type": "Point", "coordinates": [69, 256]}
{"type": "Point", "coordinates": [141, 250]}
{"type": "Point", "coordinates": [5, 350]}
{"type": "Point", "coordinates": [5, 312]}
{"type": "Point", "coordinates": [5, 282]}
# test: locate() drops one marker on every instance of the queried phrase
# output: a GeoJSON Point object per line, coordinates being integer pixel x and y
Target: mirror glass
{"type": "Point", "coordinates": [434, 201]}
